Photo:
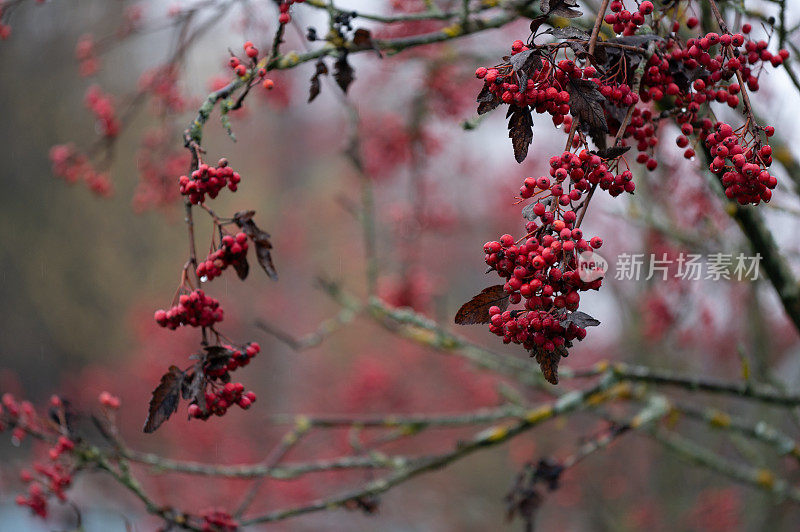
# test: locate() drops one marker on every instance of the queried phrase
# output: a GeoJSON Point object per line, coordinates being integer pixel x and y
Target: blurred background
{"type": "Point", "coordinates": [83, 274]}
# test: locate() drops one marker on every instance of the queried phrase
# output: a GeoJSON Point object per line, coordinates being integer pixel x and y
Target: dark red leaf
{"type": "Point", "coordinates": [165, 399]}
{"type": "Point", "coordinates": [343, 73]}
{"type": "Point", "coordinates": [520, 130]}
{"type": "Point", "coordinates": [261, 239]}
{"type": "Point", "coordinates": [316, 84]}
{"type": "Point", "coordinates": [586, 102]}
{"type": "Point", "coordinates": [242, 268]}
{"type": "Point", "coordinates": [476, 310]}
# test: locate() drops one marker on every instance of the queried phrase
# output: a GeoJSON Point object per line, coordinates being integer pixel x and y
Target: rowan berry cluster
{"type": "Point", "coordinates": [743, 168]}
{"type": "Point", "coordinates": [233, 250]}
{"type": "Point", "coordinates": [209, 180]}
{"type": "Point", "coordinates": [285, 17]}
{"type": "Point", "coordinates": [715, 63]}
{"type": "Point", "coordinates": [623, 21]}
{"type": "Point", "coordinates": [20, 416]}
{"type": "Point", "coordinates": [46, 479]}
{"type": "Point", "coordinates": [544, 270]}
{"type": "Point", "coordinates": [241, 69]}
{"type": "Point", "coordinates": [218, 521]}
{"type": "Point", "coordinates": [72, 166]}
{"type": "Point", "coordinates": [101, 105]}
{"type": "Point", "coordinates": [218, 402]}
{"type": "Point", "coordinates": [195, 309]}
{"type": "Point", "coordinates": [545, 91]}
{"type": "Point", "coordinates": [583, 170]}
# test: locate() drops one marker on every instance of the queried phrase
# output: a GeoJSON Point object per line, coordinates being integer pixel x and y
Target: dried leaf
{"type": "Point", "coordinates": [611, 153]}
{"type": "Point", "coordinates": [216, 358]}
{"type": "Point", "coordinates": [525, 498]}
{"type": "Point", "coordinates": [476, 310]}
{"type": "Point", "coordinates": [581, 319]}
{"type": "Point", "coordinates": [527, 212]}
{"type": "Point", "coordinates": [560, 8]}
{"type": "Point", "coordinates": [520, 130]}
{"type": "Point", "coordinates": [316, 84]}
{"type": "Point", "coordinates": [244, 219]}
{"type": "Point", "coordinates": [637, 40]}
{"type": "Point", "coordinates": [548, 363]}
{"type": "Point", "coordinates": [586, 103]}
{"type": "Point", "coordinates": [362, 38]}
{"type": "Point", "coordinates": [343, 73]}
{"type": "Point", "coordinates": [165, 399]}
{"type": "Point", "coordinates": [538, 21]}
{"type": "Point", "coordinates": [242, 268]}
{"type": "Point", "coordinates": [525, 64]}
{"type": "Point", "coordinates": [487, 100]}
{"type": "Point", "coordinates": [568, 32]}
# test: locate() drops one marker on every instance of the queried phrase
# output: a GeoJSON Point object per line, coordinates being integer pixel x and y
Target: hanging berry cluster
{"type": "Point", "coordinates": [233, 251]}
{"type": "Point", "coordinates": [209, 180]}
{"type": "Point", "coordinates": [50, 478]}
{"type": "Point", "coordinates": [195, 309]}
{"type": "Point", "coordinates": [624, 87]}
{"type": "Point", "coordinates": [206, 384]}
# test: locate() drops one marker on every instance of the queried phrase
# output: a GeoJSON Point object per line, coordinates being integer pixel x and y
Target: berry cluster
{"type": "Point", "coordinates": [232, 251]}
{"type": "Point", "coordinates": [72, 166]}
{"type": "Point", "coordinates": [218, 402]}
{"type": "Point", "coordinates": [716, 62]}
{"type": "Point", "coordinates": [195, 309]}
{"type": "Point", "coordinates": [209, 180]}
{"type": "Point", "coordinates": [285, 17]}
{"type": "Point", "coordinates": [544, 270]}
{"type": "Point", "coordinates": [623, 21]}
{"type": "Point", "coordinates": [544, 91]}
{"type": "Point", "coordinates": [19, 415]}
{"type": "Point", "coordinates": [241, 69]}
{"type": "Point", "coordinates": [47, 479]}
{"type": "Point", "coordinates": [583, 170]}
{"type": "Point", "coordinates": [742, 167]}
{"type": "Point", "coordinates": [101, 105]}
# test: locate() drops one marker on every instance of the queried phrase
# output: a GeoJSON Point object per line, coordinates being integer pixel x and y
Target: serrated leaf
{"type": "Point", "coordinates": [581, 319]}
{"type": "Point", "coordinates": [487, 100]}
{"type": "Point", "coordinates": [261, 239]}
{"type": "Point", "coordinates": [568, 32]}
{"type": "Point", "coordinates": [548, 362]}
{"type": "Point", "coordinates": [527, 212]}
{"type": "Point", "coordinates": [316, 84]}
{"type": "Point", "coordinates": [525, 64]}
{"type": "Point", "coordinates": [164, 401]}
{"type": "Point", "coordinates": [476, 310]}
{"type": "Point", "coordinates": [343, 73]}
{"type": "Point", "coordinates": [520, 130]}
{"type": "Point", "coordinates": [586, 103]}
